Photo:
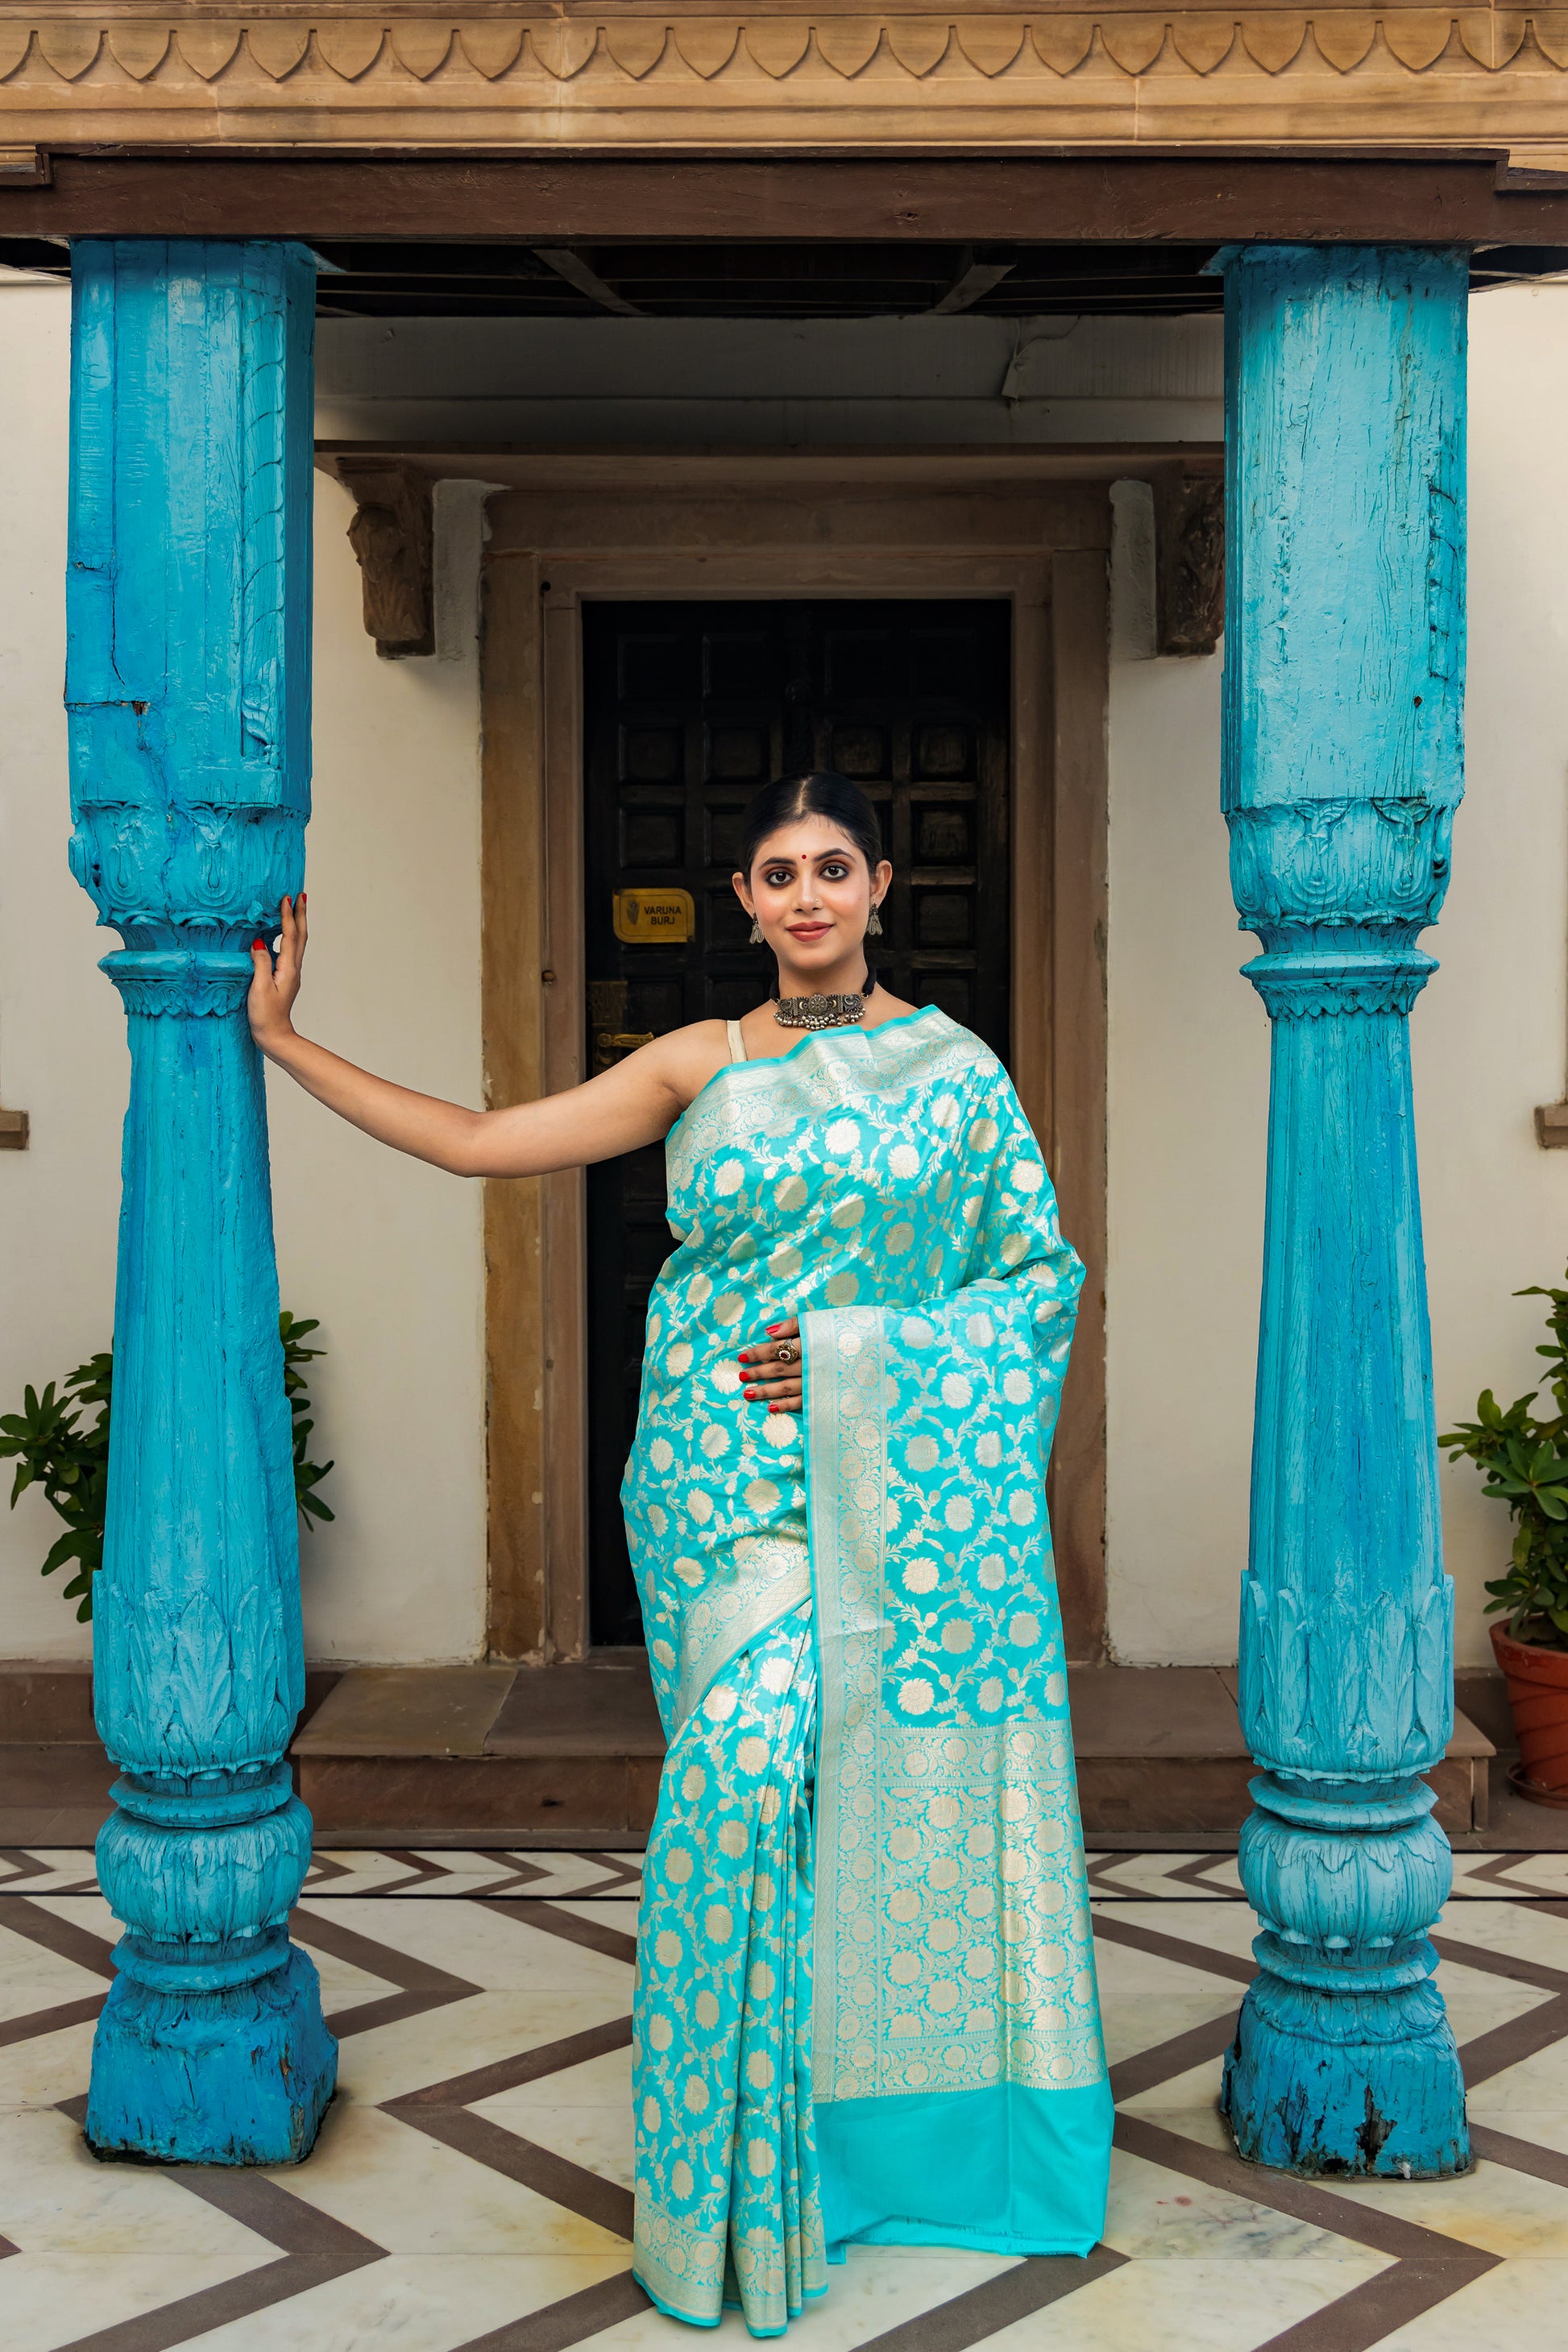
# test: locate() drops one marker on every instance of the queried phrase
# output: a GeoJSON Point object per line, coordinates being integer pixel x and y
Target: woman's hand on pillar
{"type": "Point", "coordinates": [622, 1110]}
{"type": "Point", "coordinates": [771, 1371]}
{"type": "Point", "coordinates": [273, 986]}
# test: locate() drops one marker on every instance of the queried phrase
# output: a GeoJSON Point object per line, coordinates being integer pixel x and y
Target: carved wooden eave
{"type": "Point", "coordinates": [637, 76]}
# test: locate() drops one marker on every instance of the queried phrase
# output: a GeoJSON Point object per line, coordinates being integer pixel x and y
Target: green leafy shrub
{"type": "Point", "coordinates": [68, 1457]}
{"type": "Point", "coordinates": [70, 1460]}
{"type": "Point", "coordinates": [1524, 1458]}
{"type": "Point", "coordinates": [308, 1476]}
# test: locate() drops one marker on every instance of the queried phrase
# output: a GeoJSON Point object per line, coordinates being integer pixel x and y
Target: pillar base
{"type": "Point", "coordinates": [239, 2076]}
{"type": "Point", "coordinates": [1371, 2089]}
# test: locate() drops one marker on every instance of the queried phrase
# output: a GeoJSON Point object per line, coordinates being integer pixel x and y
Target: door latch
{"type": "Point", "coordinates": [606, 1014]}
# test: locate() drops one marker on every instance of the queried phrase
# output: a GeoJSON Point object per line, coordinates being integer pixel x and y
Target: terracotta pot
{"type": "Point", "coordinates": [1538, 1698]}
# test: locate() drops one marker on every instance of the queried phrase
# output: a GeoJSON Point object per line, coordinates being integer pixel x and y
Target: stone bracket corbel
{"type": "Point", "coordinates": [1189, 558]}
{"type": "Point", "coordinates": [1552, 1126]}
{"type": "Point", "coordinates": [13, 1126]}
{"type": "Point", "coordinates": [393, 538]}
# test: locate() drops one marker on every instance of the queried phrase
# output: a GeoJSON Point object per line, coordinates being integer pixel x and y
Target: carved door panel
{"type": "Point", "coordinates": [689, 708]}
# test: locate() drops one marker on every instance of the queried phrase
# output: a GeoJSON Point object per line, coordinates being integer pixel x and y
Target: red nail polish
{"type": "Point", "coordinates": [771, 1328]}
{"type": "Point", "coordinates": [257, 943]}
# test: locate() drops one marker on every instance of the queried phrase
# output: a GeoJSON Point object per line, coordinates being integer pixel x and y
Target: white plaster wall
{"type": "Point", "coordinates": [62, 1035]}
{"type": "Point", "coordinates": [1491, 1031]}
{"type": "Point", "coordinates": [1189, 1042]}
{"type": "Point", "coordinates": [386, 1252]}
{"type": "Point", "coordinates": [1187, 1095]}
{"type": "Point", "coordinates": [771, 383]}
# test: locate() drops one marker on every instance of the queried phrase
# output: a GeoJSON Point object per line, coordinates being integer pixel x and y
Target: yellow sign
{"type": "Point", "coordinates": [654, 918]}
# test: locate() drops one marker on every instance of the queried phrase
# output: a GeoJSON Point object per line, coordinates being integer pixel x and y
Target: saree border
{"type": "Point", "coordinates": [809, 1080]}
{"type": "Point", "coordinates": [1021, 2031]}
{"type": "Point", "coordinates": [835, 1340]}
{"type": "Point", "coordinates": [727, 1618]}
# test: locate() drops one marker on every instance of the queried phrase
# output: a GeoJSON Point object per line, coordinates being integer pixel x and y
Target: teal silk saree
{"type": "Point", "coordinates": [865, 2007]}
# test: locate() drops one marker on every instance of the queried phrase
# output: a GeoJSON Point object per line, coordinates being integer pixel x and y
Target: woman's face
{"type": "Point", "coordinates": [812, 892]}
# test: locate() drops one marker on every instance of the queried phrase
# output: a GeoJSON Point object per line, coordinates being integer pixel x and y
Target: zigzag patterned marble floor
{"type": "Point", "coordinates": [471, 2189]}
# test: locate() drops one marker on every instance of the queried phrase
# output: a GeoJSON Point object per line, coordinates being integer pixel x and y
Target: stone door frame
{"type": "Point", "coordinates": [1030, 527]}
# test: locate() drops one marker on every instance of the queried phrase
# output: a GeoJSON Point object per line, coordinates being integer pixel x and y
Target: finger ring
{"type": "Point", "coordinates": [787, 1353]}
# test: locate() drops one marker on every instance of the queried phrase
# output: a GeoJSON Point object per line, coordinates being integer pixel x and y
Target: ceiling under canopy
{"type": "Point", "coordinates": [773, 281]}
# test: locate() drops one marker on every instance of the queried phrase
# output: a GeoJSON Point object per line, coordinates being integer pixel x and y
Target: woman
{"type": "Point", "coordinates": [865, 2006]}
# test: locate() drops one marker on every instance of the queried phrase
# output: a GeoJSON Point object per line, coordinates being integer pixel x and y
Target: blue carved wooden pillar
{"type": "Point", "coordinates": [188, 693]}
{"type": "Point", "coordinates": [1344, 682]}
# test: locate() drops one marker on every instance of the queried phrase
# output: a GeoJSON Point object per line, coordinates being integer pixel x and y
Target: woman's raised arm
{"type": "Point", "coordinates": [636, 1103]}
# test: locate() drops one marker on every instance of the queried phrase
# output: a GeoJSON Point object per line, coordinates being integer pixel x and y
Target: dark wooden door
{"type": "Point", "coordinates": [688, 709]}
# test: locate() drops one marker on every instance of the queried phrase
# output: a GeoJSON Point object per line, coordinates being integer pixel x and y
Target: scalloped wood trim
{"type": "Point", "coordinates": [1400, 75]}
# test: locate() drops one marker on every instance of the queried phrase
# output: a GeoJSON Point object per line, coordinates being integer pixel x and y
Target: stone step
{"type": "Point", "coordinates": [503, 1755]}
{"type": "Point", "coordinates": [1160, 1750]}
{"type": "Point", "coordinates": [485, 1756]}
{"type": "Point", "coordinates": [570, 1755]}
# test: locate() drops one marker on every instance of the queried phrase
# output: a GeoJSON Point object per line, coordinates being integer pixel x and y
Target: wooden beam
{"type": "Point", "coordinates": [575, 271]}
{"type": "Point", "coordinates": [1155, 199]}
{"type": "Point", "coordinates": [975, 280]}
{"type": "Point", "coordinates": [932, 467]}
{"type": "Point", "coordinates": [23, 167]}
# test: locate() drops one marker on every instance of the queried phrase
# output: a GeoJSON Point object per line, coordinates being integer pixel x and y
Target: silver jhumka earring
{"type": "Point", "coordinates": [756, 932]}
{"type": "Point", "coordinates": [874, 927]}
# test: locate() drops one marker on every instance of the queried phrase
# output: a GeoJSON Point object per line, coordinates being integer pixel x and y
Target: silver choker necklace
{"type": "Point", "coordinates": [822, 1011]}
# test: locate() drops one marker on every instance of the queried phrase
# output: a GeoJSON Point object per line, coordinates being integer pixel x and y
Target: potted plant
{"type": "Point", "coordinates": [1525, 1457]}
{"type": "Point", "coordinates": [70, 1460]}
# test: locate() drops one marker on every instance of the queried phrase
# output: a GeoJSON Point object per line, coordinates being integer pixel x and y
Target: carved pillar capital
{"type": "Point", "coordinates": [186, 982]}
{"type": "Point", "coordinates": [1361, 867]}
{"type": "Point", "coordinates": [1338, 890]}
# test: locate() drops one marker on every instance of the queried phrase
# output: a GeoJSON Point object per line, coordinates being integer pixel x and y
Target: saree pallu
{"type": "Point", "coordinates": [865, 2008]}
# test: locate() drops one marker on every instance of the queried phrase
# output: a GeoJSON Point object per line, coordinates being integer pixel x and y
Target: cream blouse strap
{"type": "Point", "coordinates": [737, 1043]}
